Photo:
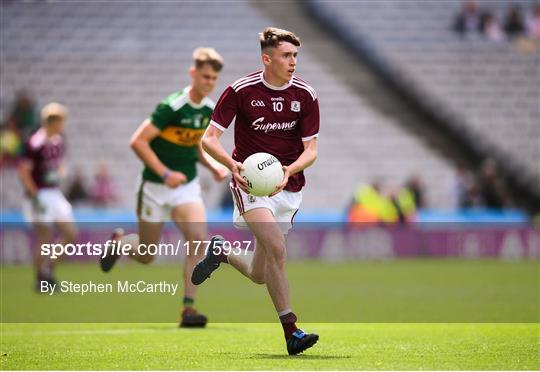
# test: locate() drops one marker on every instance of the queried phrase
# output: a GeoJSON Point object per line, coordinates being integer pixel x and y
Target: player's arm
{"type": "Point", "coordinates": [62, 170]}
{"type": "Point", "coordinates": [211, 143]}
{"type": "Point", "coordinates": [25, 174]}
{"type": "Point", "coordinates": [218, 170]}
{"type": "Point", "coordinates": [305, 160]}
{"type": "Point", "coordinates": [140, 143]}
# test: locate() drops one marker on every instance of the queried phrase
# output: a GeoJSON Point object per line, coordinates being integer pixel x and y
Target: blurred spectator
{"type": "Point", "coordinates": [533, 24]}
{"type": "Point", "coordinates": [364, 207]}
{"type": "Point", "coordinates": [406, 205]}
{"type": "Point", "coordinates": [398, 206]}
{"type": "Point", "coordinates": [465, 192]}
{"type": "Point", "coordinates": [388, 207]}
{"type": "Point", "coordinates": [10, 146]}
{"type": "Point", "coordinates": [416, 187]}
{"type": "Point", "coordinates": [492, 188]}
{"type": "Point", "coordinates": [21, 121]}
{"type": "Point", "coordinates": [514, 24]}
{"type": "Point", "coordinates": [491, 29]}
{"type": "Point", "coordinates": [23, 115]}
{"type": "Point", "coordinates": [377, 203]}
{"type": "Point", "coordinates": [468, 20]}
{"type": "Point", "coordinates": [76, 191]}
{"type": "Point", "coordinates": [103, 191]}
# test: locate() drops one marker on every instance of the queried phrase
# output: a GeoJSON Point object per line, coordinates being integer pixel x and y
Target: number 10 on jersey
{"type": "Point", "coordinates": [277, 106]}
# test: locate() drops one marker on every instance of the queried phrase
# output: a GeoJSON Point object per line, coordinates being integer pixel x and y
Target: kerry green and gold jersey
{"type": "Point", "coordinates": [182, 124]}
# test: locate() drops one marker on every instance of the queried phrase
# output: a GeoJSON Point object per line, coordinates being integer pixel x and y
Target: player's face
{"type": "Point", "coordinates": [55, 126]}
{"type": "Point", "coordinates": [282, 61]}
{"type": "Point", "coordinates": [204, 79]}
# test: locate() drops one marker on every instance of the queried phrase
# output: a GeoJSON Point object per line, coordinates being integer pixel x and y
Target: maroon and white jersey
{"type": "Point", "coordinates": [47, 156]}
{"type": "Point", "coordinates": [269, 119]}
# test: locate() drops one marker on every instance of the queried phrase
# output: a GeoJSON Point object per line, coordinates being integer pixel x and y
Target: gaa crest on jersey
{"type": "Point", "coordinates": [251, 198]}
{"type": "Point", "coordinates": [295, 106]}
{"type": "Point", "coordinates": [148, 211]}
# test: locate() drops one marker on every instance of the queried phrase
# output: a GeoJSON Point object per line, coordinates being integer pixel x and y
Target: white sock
{"type": "Point", "coordinates": [284, 312]}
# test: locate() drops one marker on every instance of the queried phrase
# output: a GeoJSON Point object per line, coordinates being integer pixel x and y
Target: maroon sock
{"type": "Point", "coordinates": [288, 322]}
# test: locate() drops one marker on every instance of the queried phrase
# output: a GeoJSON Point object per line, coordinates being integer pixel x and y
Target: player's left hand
{"type": "Point", "coordinates": [241, 182]}
{"type": "Point", "coordinates": [281, 186]}
{"type": "Point", "coordinates": [220, 173]}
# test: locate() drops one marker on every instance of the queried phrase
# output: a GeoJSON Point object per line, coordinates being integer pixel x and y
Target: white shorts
{"type": "Point", "coordinates": [283, 206]}
{"type": "Point", "coordinates": [49, 206]}
{"type": "Point", "coordinates": [155, 201]}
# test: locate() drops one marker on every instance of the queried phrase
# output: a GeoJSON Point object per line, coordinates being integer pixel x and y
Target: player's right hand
{"type": "Point", "coordinates": [220, 173]}
{"type": "Point", "coordinates": [175, 179]}
{"type": "Point", "coordinates": [240, 181]}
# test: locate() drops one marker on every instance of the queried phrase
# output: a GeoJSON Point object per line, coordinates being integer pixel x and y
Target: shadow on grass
{"type": "Point", "coordinates": [302, 357]}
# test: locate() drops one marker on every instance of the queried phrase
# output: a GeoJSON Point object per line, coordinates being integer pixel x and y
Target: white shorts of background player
{"type": "Point", "coordinates": [155, 201]}
{"type": "Point", "coordinates": [49, 206]}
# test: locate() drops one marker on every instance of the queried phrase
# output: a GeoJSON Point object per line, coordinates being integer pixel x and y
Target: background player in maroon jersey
{"type": "Point", "coordinates": [278, 113]}
{"type": "Point", "coordinates": [40, 172]}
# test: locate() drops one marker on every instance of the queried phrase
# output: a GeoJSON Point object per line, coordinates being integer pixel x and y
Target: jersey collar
{"type": "Point", "coordinates": [190, 102]}
{"type": "Point", "coordinates": [273, 87]}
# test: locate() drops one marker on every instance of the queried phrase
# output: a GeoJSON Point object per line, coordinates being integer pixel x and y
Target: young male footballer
{"type": "Point", "coordinates": [278, 113]}
{"type": "Point", "coordinates": [168, 143]}
{"type": "Point", "coordinates": [44, 205]}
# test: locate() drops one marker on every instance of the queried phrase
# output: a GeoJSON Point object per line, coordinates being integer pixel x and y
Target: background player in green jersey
{"type": "Point", "coordinates": [168, 143]}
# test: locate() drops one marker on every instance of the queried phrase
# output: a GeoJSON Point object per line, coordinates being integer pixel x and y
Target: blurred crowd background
{"type": "Point", "coordinates": [426, 106]}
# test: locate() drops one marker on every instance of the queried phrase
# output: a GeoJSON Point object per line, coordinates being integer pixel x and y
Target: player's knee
{"type": "Point", "coordinates": [276, 253]}
{"type": "Point", "coordinates": [257, 278]}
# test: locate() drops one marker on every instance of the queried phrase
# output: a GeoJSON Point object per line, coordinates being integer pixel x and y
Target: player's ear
{"type": "Point", "coordinates": [192, 71]}
{"type": "Point", "coordinates": [266, 60]}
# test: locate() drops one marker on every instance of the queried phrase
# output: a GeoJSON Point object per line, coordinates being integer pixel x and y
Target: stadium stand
{"type": "Point", "coordinates": [489, 91]}
{"type": "Point", "coordinates": [110, 64]}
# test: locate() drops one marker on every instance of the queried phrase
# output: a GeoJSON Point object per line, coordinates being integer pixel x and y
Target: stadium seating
{"type": "Point", "coordinates": [488, 87]}
{"type": "Point", "coordinates": [110, 64]}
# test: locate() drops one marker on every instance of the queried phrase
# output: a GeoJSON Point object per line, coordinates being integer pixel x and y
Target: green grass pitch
{"type": "Point", "coordinates": [399, 315]}
{"type": "Point", "coordinates": [237, 346]}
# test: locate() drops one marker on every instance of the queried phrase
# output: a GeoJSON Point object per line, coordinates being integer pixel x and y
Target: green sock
{"type": "Point", "coordinates": [188, 301]}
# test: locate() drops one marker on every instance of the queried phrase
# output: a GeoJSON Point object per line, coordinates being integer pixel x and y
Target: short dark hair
{"type": "Point", "coordinates": [271, 37]}
{"type": "Point", "coordinates": [202, 56]}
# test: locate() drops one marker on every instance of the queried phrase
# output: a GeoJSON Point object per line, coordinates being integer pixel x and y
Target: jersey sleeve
{"type": "Point", "coordinates": [225, 110]}
{"type": "Point", "coordinates": [309, 122]}
{"type": "Point", "coordinates": [162, 116]}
